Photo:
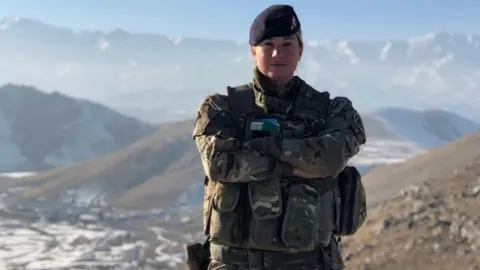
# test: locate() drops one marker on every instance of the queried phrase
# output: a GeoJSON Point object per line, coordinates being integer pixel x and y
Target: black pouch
{"type": "Point", "coordinates": [198, 256]}
{"type": "Point", "coordinates": [353, 206]}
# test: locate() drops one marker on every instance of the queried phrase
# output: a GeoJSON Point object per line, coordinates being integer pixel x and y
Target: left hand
{"type": "Point", "coordinates": [268, 145]}
{"type": "Point", "coordinates": [306, 175]}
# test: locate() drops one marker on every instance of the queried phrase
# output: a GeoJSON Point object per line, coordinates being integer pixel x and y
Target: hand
{"type": "Point", "coordinates": [268, 145]}
{"type": "Point", "coordinates": [306, 175]}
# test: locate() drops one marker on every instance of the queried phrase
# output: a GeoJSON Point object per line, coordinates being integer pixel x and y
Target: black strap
{"type": "Point", "coordinates": [241, 102]}
{"type": "Point", "coordinates": [241, 99]}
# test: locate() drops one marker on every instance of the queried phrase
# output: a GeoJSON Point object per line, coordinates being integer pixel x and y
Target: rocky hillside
{"type": "Point", "coordinates": [430, 221]}
{"type": "Point", "coordinates": [40, 130]}
{"type": "Point", "coordinates": [433, 223]}
{"type": "Point", "coordinates": [164, 169]}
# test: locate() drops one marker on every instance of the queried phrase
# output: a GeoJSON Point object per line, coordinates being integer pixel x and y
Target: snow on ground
{"type": "Point", "coordinates": [378, 152]}
{"type": "Point", "coordinates": [17, 174]}
{"type": "Point", "coordinates": [30, 240]}
{"type": "Point", "coordinates": [61, 246]}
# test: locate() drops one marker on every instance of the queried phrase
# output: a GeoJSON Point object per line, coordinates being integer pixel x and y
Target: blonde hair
{"type": "Point", "coordinates": [300, 37]}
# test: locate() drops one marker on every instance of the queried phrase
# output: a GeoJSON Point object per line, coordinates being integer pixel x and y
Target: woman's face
{"type": "Point", "coordinates": [277, 58]}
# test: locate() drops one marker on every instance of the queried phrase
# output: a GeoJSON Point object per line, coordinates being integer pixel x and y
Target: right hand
{"type": "Point", "coordinates": [306, 175]}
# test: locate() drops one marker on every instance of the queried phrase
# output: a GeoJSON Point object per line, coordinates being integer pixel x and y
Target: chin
{"type": "Point", "coordinates": [280, 75]}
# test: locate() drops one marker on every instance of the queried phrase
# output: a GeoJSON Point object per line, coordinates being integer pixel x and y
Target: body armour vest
{"type": "Point", "coordinates": [290, 215]}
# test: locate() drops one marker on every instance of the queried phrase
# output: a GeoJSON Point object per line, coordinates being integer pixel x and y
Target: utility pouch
{"type": "Point", "coordinates": [300, 225]}
{"type": "Point", "coordinates": [353, 206]}
{"type": "Point", "coordinates": [267, 205]}
{"type": "Point", "coordinates": [226, 216]}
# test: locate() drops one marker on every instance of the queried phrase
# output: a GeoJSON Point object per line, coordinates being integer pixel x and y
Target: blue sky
{"type": "Point", "coordinates": [231, 19]}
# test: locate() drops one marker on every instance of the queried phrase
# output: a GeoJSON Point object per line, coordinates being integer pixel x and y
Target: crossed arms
{"type": "Point", "coordinates": [226, 159]}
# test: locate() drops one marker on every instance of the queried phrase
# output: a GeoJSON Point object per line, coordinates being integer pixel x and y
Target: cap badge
{"type": "Point", "coordinates": [294, 23]}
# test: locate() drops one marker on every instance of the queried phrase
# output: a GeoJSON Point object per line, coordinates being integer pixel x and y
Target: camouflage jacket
{"type": "Point", "coordinates": [226, 159]}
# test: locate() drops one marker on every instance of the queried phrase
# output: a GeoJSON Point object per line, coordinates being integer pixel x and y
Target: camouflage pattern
{"type": "Point", "coordinates": [300, 225]}
{"type": "Point", "coordinates": [285, 216]}
{"type": "Point", "coordinates": [216, 265]}
{"type": "Point", "coordinates": [222, 157]}
{"type": "Point", "coordinates": [266, 199]}
{"type": "Point", "coordinates": [261, 260]}
{"type": "Point", "coordinates": [327, 153]}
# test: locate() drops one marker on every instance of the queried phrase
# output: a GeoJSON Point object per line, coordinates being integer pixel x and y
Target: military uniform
{"type": "Point", "coordinates": [257, 214]}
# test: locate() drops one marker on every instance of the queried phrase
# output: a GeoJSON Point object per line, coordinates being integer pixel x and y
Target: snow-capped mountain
{"type": "Point", "coordinates": [140, 74]}
{"type": "Point", "coordinates": [40, 130]}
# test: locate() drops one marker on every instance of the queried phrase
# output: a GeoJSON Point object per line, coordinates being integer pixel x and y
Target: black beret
{"type": "Point", "coordinates": [274, 21]}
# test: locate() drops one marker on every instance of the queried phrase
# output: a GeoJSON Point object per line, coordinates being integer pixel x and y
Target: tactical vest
{"type": "Point", "coordinates": [289, 215]}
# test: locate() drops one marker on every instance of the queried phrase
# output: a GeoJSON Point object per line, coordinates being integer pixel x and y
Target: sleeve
{"type": "Point", "coordinates": [223, 157]}
{"type": "Point", "coordinates": [328, 153]}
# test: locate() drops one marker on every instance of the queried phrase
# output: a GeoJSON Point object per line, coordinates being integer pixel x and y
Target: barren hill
{"type": "Point", "coordinates": [384, 182]}
{"type": "Point", "coordinates": [433, 223]}
{"type": "Point", "coordinates": [40, 130]}
{"type": "Point", "coordinates": [144, 168]}
{"type": "Point", "coordinates": [164, 169]}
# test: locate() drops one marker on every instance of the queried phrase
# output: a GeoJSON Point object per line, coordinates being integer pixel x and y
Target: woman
{"type": "Point", "coordinates": [272, 150]}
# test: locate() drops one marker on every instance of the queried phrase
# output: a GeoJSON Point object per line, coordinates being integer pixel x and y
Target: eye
{"type": "Point", "coordinates": [268, 44]}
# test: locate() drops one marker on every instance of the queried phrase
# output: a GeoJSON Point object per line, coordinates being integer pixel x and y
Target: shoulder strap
{"type": "Point", "coordinates": [241, 102]}
{"type": "Point", "coordinates": [241, 99]}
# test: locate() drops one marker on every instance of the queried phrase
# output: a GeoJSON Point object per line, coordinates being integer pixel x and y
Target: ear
{"type": "Point", "coordinates": [253, 52]}
{"type": "Point", "coordinates": [300, 51]}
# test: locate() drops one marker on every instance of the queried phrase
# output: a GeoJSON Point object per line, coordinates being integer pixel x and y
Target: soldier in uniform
{"type": "Point", "coordinates": [273, 151]}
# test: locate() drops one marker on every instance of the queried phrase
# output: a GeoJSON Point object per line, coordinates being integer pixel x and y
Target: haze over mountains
{"type": "Point", "coordinates": [140, 74]}
{"type": "Point", "coordinates": [40, 131]}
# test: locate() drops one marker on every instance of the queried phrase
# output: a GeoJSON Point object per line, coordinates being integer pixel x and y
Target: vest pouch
{"type": "Point", "coordinates": [326, 216]}
{"type": "Point", "coordinates": [267, 206]}
{"type": "Point", "coordinates": [300, 225]}
{"type": "Point", "coordinates": [226, 215]}
{"type": "Point", "coordinates": [353, 208]}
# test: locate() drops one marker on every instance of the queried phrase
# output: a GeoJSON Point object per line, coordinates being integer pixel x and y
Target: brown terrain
{"type": "Point", "coordinates": [155, 170]}
{"type": "Point", "coordinates": [433, 223]}
{"type": "Point", "coordinates": [433, 220]}
{"type": "Point", "coordinates": [150, 173]}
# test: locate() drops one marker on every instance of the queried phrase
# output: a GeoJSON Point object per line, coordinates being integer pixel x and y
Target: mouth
{"type": "Point", "coordinates": [278, 65]}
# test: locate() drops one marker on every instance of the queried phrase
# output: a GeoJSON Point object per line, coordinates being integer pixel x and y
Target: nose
{"type": "Point", "coordinates": [275, 52]}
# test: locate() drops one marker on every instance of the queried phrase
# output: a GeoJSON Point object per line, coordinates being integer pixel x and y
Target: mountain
{"type": "Point", "coordinates": [431, 128]}
{"type": "Point", "coordinates": [397, 134]}
{"type": "Point", "coordinates": [427, 215]}
{"type": "Point", "coordinates": [141, 74]}
{"type": "Point", "coordinates": [164, 170]}
{"type": "Point", "coordinates": [41, 130]}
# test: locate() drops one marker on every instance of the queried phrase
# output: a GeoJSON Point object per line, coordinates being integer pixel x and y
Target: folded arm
{"type": "Point", "coordinates": [328, 153]}
{"type": "Point", "coordinates": [223, 157]}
